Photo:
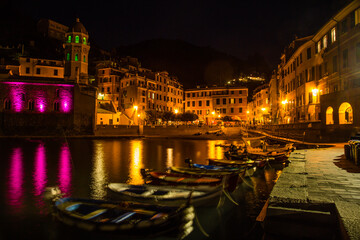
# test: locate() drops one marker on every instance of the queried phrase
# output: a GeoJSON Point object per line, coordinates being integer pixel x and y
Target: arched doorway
{"type": "Point", "coordinates": [345, 113]}
{"type": "Point", "coordinates": [329, 116]}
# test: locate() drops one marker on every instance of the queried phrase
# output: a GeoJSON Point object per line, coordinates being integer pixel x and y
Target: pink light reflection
{"type": "Point", "coordinates": [15, 181]}
{"type": "Point", "coordinates": [39, 175]}
{"type": "Point", "coordinates": [64, 177]}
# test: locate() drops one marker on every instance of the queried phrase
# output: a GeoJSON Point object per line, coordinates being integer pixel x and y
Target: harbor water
{"type": "Point", "coordinates": [82, 168]}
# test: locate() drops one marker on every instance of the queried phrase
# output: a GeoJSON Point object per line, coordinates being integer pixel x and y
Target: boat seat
{"type": "Point", "coordinates": [123, 217]}
{"type": "Point", "coordinates": [94, 214]}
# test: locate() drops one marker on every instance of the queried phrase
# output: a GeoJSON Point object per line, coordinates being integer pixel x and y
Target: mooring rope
{"type": "Point", "coordinates": [243, 179]}
{"type": "Point", "coordinates": [199, 225]}
{"type": "Point", "coordinates": [229, 197]}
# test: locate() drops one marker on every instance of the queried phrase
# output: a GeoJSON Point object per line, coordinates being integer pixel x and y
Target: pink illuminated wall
{"type": "Point", "coordinates": [39, 175]}
{"type": "Point", "coordinates": [44, 96]}
{"type": "Point", "coordinates": [64, 176]}
{"type": "Point", "coordinates": [15, 188]}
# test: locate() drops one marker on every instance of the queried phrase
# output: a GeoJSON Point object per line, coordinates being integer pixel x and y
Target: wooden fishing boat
{"type": "Point", "coordinates": [179, 178]}
{"type": "Point", "coordinates": [124, 218]}
{"type": "Point", "coordinates": [168, 195]}
{"type": "Point", "coordinates": [235, 163]}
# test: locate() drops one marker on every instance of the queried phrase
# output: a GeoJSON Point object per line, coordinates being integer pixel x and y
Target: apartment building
{"type": "Point", "coordinates": [259, 108]}
{"type": "Point", "coordinates": [217, 102]}
{"type": "Point", "coordinates": [134, 90]}
{"type": "Point", "coordinates": [318, 76]}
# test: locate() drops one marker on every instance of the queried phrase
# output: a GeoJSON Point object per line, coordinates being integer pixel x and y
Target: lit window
{"type": "Point", "coordinates": [76, 57]}
{"type": "Point", "coordinates": [84, 58]}
{"type": "Point", "coordinates": [357, 16]}
{"type": "Point", "coordinates": [84, 40]}
{"type": "Point", "coordinates": [325, 41]}
{"type": "Point", "coordinates": [69, 39]}
{"type": "Point", "coordinates": [319, 46]}
{"type": "Point", "coordinates": [333, 34]}
{"type": "Point", "coordinates": [68, 57]}
{"type": "Point", "coordinates": [77, 39]}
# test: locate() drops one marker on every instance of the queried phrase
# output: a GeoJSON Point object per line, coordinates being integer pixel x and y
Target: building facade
{"type": "Point", "coordinates": [319, 75]}
{"type": "Point", "coordinates": [36, 99]}
{"type": "Point", "coordinates": [217, 102]}
{"type": "Point", "coordinates": [259, 108]}
{"type": "Point", "coordinates": [135, 90]}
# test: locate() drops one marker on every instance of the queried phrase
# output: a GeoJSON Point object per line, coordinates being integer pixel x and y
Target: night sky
{"type": "Point", "coordinates": [239, 28]}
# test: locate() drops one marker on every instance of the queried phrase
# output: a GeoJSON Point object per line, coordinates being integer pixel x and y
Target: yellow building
{"type": "Point", "coordinates": [217, 102]}
{"type": "Point", "coordinates": [36, 67]}
{"type": "Point", "coordinates": [135, 90]}
{"type": "Point", "coordinates": [259, 108]}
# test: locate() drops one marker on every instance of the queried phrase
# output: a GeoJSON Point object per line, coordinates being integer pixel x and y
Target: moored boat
{"type": "Point", "coordinates": [168, 195]}
{"type": "Point", "coordinates": [178, 178]}
{"type": "Point", "coordinates": [124, 217]}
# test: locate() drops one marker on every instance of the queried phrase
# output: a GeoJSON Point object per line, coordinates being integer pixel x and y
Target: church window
{"type": "Point", "coordinates": [84, 40]}
{"type": "Point", "coordinates": [69, 39]}
{"type": "Point", "coordinates": [76, 57]}
{"type": "Point", "coordinates": [77, 39]}
{"type": "Point", "coordinates": [68, 57]}
{"type": "Point", "coordinates": [84, 58]}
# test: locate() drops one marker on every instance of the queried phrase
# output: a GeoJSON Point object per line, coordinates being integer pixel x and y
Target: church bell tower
{"type": "Point", "coordinates": [77, 49]}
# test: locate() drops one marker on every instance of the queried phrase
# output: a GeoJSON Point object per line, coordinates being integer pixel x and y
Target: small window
{"type": "Point", "coordinates": [56, 106]}
{"type": "Point", "coordinates": [27, 70]}
{"type": "Point", "coordinates": [7, 104]}
{"type": "Point", "coordinates": [76, 57]}
{"type": "Point", "coordinates": [333, 34]}
{"type": "Point", "coordinates": [77, 39]}
{"type": "Point", "coordinates": [55, 72]}
{"type": "Point", "coordinates": [31, 105]}
{"type": "Point", "coordinates": [57, 93]}
{"type": "Point", "coordinates": [308, 53]}
{"type": "Point", "coordinates": [84, 40]}
{"type": "Point", "coordinates": [68, 57]}
{"type": "Point", "coordinates": [84, 58]}
{"type": "Point", "coordinates": [69, 39]}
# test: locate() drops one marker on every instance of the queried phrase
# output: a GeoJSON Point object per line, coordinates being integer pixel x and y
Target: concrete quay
{"type": "Point", "coordinates": [317, 196]}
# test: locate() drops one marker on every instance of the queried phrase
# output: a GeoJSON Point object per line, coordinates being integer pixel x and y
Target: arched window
{"type": "Point", "coordinates": [329, 116]}
{"type": "Point", "coordinates": [84, 40]}
{"type": "Point", "coordinates": [56, 106]}
{"type": "Point", "coordinates": [69, 39]}
{"type": "Point", "coordinates": [68, 57]}
{"type": "Point", "coordinates": [77, 39]}
{"type": "Point", "coordinates": [7, 104]}
{"type": "Point", "coordinates": [76, 57]}
{"type": "Point", "coordinates": [345, 113]}
{"type": "Point", "coordinates": [31, 105]}
{"type": "Point", "coordinates": [84, 58]}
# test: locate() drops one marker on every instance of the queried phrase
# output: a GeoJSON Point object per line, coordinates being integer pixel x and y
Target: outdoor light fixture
{"type": "Point", "coordinates": [176, 111]}
{"type": "Point", "coordinates": [135, 107]}
{"type": "Point", "coordinates": [138, 115]}
{"type": "Point", "coordinates": [315, 91]}
{"type": "Point", "coordinates": [263, 109]}
{"type": "Point", "coordinates": [247, 112]}
{"type": "Point", "coordinates": [101, 96]}
{"type": "Point", "coordinates": [284, 102]}
{"type": "Point", "coordinates": [213, 113]}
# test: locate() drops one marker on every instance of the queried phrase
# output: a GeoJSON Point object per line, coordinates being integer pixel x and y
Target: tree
{"type": "Point", "coordinates": [150, 116]}
{"type": "Point", "coordinates": [168, 116]}
{"type": "Point", "coordinates": [189, 116]}
{"type": "Point", "coordinates": [227, 119]}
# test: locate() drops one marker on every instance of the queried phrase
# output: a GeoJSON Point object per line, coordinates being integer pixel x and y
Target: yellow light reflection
{"type": "Point", "coordinates": [99, 176]}
{"type": "Point", "coordinates": [136, 158]}
{"type": "Point", "coordinates": [211, 149]}
{"type": "Point", "coordinates": [169, 157]}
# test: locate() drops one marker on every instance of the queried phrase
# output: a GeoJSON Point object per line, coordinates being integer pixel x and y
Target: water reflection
{"type": "Point", "coordinates": [39, 175]}
{"type": "Point", "coordinates": [99, 176]}
{"type": "Point", "coordinates": [215, 152]}
{"type": "Point", "coordinates": [15, 181]}
{"type": "Point", "coordinates": [169, 157]}
{"type": "Point", "coordinates": [64, 176]}
{"type": "Point", "coordinates": [136, 162]}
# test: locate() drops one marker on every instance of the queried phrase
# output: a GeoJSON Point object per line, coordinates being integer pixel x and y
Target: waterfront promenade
{"type": "Point", "coordinates": [316, 197]}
